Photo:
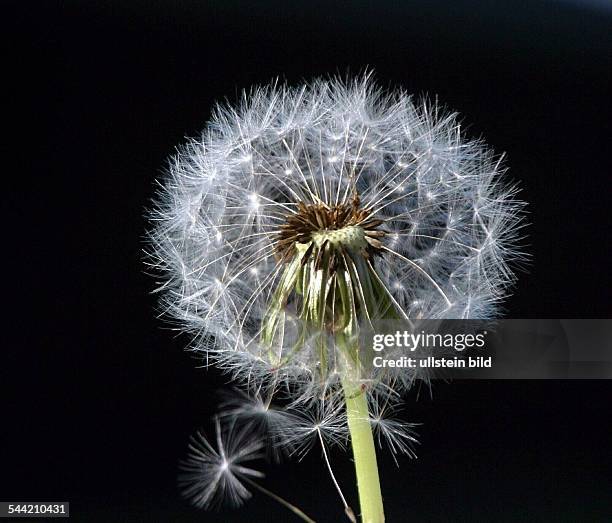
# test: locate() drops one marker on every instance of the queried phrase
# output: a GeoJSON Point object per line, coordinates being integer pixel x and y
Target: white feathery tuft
{"type": "Point", "coordinates": [211, 476]}
{"type": "Point", "coordinates": [324, 422]}
{"type": "Point", "coordinates": [399, 436]}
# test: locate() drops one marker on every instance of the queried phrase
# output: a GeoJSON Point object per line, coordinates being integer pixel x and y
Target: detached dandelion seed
{"type": "Point", "coordinates": [305, 214]}
{"type": "Point", "coordinates": [214, 475]}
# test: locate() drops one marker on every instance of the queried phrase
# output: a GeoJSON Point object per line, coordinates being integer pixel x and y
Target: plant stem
{"type": "Point", "coordinates": [364, 454]}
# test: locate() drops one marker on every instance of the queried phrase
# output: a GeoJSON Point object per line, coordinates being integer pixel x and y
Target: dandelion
{"type": "Point", "coordinates": [304, 215]}
{"type": "Point", "coordinates": [213, 476]}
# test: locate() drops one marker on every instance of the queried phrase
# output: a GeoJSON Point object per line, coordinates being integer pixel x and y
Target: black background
{"type": "Point", "coordinates": [99, 399]}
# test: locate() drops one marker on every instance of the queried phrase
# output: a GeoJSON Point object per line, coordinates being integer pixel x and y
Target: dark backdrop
{"type": "Point", "coordinates": [99, 400]}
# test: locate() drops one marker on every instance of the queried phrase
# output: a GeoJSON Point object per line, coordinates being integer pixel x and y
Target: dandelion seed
{"type": "Point", "coordinates": [211, 476]}
{"type": "Point", "coordinates": [396, 434]}
{"type": "Point", "coordinates": [263, 416]}
{"type": "Point", "coordinates": [325, 420]}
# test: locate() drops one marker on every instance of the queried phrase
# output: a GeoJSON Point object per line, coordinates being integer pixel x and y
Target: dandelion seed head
{"type": "Point", "coordinates": [302, 194]}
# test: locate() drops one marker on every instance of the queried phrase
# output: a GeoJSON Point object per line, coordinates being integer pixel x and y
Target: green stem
{"type": "Point", "coordinates": [364, 454]}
